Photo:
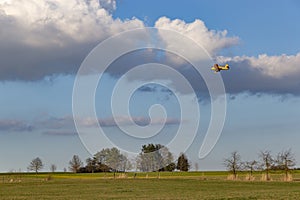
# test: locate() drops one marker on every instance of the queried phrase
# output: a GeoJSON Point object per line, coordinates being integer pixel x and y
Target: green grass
{"type": "Point", "coordinates": [190, 185]}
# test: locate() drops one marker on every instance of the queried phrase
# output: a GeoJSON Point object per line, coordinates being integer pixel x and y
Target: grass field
{"type": "Point", "coordinates": [191, 185]}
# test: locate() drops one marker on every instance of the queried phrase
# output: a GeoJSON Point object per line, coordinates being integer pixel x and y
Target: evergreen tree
{"type": "Point", "coordinates": [91, 164]}
{"type": "Point", "coordinates": [182, 163]}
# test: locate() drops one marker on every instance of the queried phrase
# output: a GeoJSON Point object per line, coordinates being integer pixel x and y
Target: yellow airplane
{"type": "Point", "coordinates": [218, 68]}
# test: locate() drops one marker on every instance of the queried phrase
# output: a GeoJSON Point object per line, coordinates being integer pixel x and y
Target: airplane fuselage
{"type": "Point", "coordinates": [218, 68]}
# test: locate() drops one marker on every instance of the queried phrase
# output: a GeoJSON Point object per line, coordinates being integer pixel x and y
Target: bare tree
{"type": "Point", "coordinates": [125, 163]}
{"type": "Point", "coordinates": [36, 165]}
{"type": "Point", "coordinates": [75, 164]}
{"type": "Point", "coordinates": [285, 160]}
{"type": "Point", "coordinates": [114, 159]}
{"type": "Point", "coordinates": [233, 163]}
{"type": "Point", "coordinates": [53, 168]}
{"type": "Point", "coordinates": [267, 162]}
{"type": "Point", "coordinates": [154, 157]}
{"type": "Point", "coordinates": [250, 166]}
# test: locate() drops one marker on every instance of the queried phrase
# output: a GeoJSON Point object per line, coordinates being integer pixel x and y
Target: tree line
{"type": "Point", "coordinates": [153, 157]}
{"type": "Point", "coordinates": [283, 161]}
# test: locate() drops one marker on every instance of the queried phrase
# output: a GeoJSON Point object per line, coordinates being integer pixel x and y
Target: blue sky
{"type": "Point", "coordinates": [41, 53]}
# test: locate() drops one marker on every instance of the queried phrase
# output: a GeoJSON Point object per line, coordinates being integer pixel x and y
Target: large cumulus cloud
{"type": "Point", "coordinates": [43, 38]}
{"type": "Point", "coordinates": [211, 40]}
{"type": "Point", "coordinates": [263, 74]}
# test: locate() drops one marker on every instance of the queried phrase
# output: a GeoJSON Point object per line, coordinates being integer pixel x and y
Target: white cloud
{"type": "Point", "coordinates": [263, 74]}
{"type": "Point", "coordinates": [273, 66]}
{"type": "Point", "coordinates": [44, 38]}
{"type": "Point", "coordinates": [211, 40]}
{"type": "Point", "coordinates": [278, 66]}
{"type": "Point", "coordinates": [57, 22]}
